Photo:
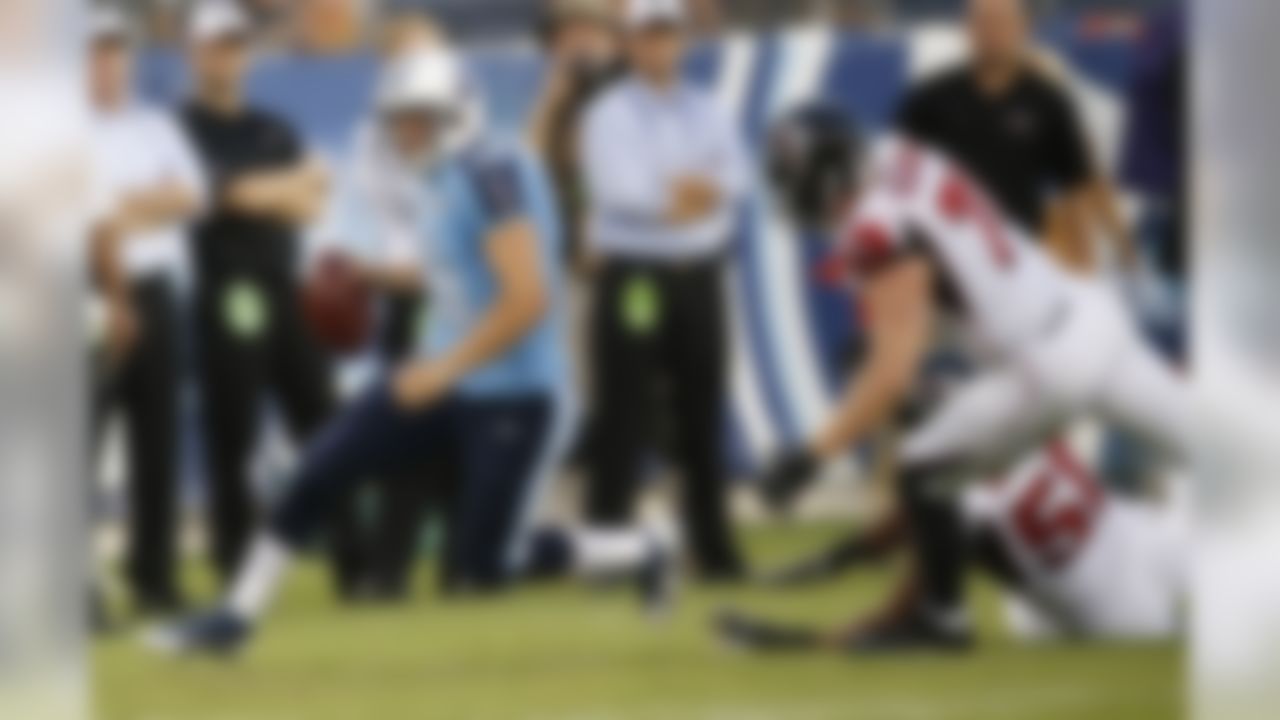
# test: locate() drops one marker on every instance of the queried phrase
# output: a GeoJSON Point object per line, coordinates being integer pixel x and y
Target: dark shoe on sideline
{"type": "Point", "coordinates": [214, 634]}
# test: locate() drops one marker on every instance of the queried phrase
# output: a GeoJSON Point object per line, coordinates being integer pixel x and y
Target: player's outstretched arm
{"type": "Point", "coordinates": [520, 305]}
{"type": "Point", "coordinates": [900, 320]}
{"type": "Point", "coordinates": [899, 301]}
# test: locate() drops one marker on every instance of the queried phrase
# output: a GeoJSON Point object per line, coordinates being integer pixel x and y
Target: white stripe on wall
{"type": "Point", "coordinates": [737, 66]}
{"type": "Point", "coordinates": [761, 438]}
{"type": "Point", "coordinates": [806, 54]}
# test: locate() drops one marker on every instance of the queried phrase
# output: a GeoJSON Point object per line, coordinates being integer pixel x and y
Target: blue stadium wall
{"type": "Point", "coordinates": [790, 334]}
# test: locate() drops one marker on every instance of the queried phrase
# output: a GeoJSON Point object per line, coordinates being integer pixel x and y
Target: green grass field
{"type": "Point", "coordinates": [565, 653]}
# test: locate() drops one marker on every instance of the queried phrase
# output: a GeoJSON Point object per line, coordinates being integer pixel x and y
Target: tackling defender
{"type": "Point", "coordinates": [926, 252]}
{"type": "Point", "coordinates": [492, 384]}
{"type": "Point", "coordinates": [1073, 562]}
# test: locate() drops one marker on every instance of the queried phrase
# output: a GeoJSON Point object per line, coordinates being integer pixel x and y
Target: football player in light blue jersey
{"type": "Point", "coordinates": [492, 383]}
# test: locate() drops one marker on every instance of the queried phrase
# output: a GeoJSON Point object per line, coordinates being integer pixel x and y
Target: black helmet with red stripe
{"type": "Point", "coordinates": [814, 156]}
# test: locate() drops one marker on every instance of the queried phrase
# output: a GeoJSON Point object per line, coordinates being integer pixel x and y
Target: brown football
{"type": "Point", "coordinates": [338, 304]}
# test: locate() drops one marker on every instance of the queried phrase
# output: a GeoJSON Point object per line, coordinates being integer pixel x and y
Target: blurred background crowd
{"type": "Point", "coordinates": [324, 26]}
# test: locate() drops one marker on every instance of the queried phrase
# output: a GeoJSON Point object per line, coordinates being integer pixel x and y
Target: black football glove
{"type": "Point", "coordinates": [786, 478]}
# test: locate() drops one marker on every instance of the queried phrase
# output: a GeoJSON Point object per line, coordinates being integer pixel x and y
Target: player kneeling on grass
{"type": "Point", "coordinates": [921, 244]}
{"type": "Point", "coordinates": [1073, 562]}
{"type": "Point", "coordinates": [492, 384]}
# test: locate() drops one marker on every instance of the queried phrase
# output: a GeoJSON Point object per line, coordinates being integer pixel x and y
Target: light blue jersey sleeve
{"type": "Point", "coordinates": [496, 184]}
{"type": "Point", "coordinates": [506, 183]}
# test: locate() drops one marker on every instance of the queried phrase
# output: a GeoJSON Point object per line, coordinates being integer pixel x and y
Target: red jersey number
{"type": "Point", "coordinates": [1057, 514]}
{"type": "Point", "coordinates": [961, 202]}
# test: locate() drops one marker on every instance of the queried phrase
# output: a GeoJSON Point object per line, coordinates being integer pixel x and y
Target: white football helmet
{"type": "Point", "coordinates": [432, 81]}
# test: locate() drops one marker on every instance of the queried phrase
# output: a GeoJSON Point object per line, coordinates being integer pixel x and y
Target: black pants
{"type": "Point", "coordinates": [503, 446]}
{"type": "Point", "coordinates": [145, 389]}
{"type": "Point", "coordinates": [253, 344]}
{"type": "Point", "coordinates": [401, 500]}
{"type": "Point", "coordinates": [660, 373]}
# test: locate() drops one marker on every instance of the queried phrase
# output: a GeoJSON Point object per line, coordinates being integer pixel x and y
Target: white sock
{"type": "Point", "coordinates": [599, 552]}
{"type": "Point", "coordinates": [259, 579]}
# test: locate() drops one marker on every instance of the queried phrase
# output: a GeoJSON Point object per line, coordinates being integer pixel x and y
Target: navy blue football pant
{"type": "Point", "coordinates": [503, 449]}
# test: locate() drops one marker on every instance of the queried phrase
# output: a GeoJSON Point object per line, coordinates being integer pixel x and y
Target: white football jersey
{"type": "Point", "coordinates": [993, 278]}
{"type": "Point", "coordinates": [1088, 564]}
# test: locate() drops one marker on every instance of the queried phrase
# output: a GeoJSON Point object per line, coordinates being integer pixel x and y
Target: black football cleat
{"type": "Point", "coordinates": [215, 634]}
{"type": "Point", "coordinates": [746, 633]}
{"type": "Point", "coordinates": [914, 632]}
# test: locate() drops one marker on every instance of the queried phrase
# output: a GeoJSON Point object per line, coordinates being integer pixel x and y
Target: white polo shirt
{"type": "Point", "coordinates": [636, 142]}
{"type": "Point", "coordinates": [137, 148]}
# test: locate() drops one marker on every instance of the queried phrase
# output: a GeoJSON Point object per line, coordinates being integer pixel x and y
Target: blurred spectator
{"type": "Point", "coordinates": [404, 29]}
{"type": "Point", "coordinates": [329, 27]}
{"type": "Point", "coordinates": [666, 171]}
{"type": "Point", "coordinates": [149, 186]}
{"type": "Point", "coordinates": [585, 54]}
{"type": "Point", "coordinates": [251, 336]}
{"type": "Point", "coordinates": [273, 21]}
{"type": "Point", "coordinates": [267, 9]}
{"type": "Point", "coordinates": [706, 18]}
{"type": "Point", "coordinates": [859, 15]}
{"type": "Point", "coordinates": [163, 20]}
{"type": "Point", "coordinates": [1019, 133]}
